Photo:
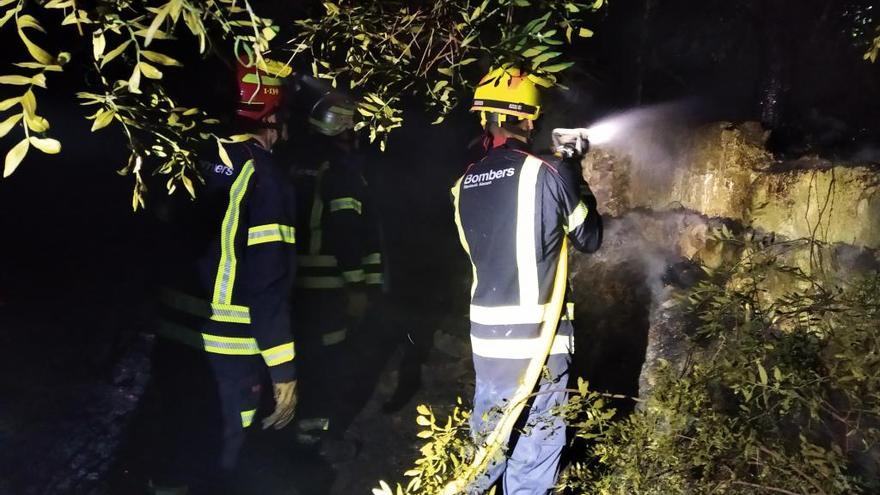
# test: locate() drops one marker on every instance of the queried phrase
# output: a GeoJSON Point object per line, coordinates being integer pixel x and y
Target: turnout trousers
{"type": "Point", "coordinates": [205, 404]}
{"type": "Point", "coordinates": [531, 465]}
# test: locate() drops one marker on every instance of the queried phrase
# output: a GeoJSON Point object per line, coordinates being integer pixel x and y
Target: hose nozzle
{"type": "Point", "coordinates": [570, 143]}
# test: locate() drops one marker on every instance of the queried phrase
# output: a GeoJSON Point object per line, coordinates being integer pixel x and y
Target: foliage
{"type": "Point", "coordinates": [387, 50]}
{"type": "Point", "coordinates": [125, 39]}
{"type": "Point", "coordinates": [392, 49]}
{"type": "Point", "coordinates": [779, 394]}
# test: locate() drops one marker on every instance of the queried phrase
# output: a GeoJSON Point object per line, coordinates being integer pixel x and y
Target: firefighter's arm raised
{"type": "Point", "coordinates": [579, 215]}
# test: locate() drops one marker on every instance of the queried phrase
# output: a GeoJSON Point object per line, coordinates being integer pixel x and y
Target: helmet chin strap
{"type": "Point", "coordinates": [507, 123]}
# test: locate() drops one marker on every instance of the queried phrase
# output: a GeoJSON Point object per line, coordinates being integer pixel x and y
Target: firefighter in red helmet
{"type": "Point", "coordinates": [224, 317]}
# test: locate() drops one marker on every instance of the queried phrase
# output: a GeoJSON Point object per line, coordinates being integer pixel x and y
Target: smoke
{"type": "Point", "coordinates": [650, 136]}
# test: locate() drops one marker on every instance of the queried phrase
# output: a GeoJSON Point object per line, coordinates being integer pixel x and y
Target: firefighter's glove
{"type": "Point", "coordinates": [285, 405]}
{"type": "Point", "coordinates": [356, 305]}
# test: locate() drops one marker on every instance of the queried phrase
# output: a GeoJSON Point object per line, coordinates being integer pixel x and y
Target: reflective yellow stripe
{"type": "Point", "coordinates": [216, 344]}
{"type": "Point", "coordinates": [568, 315]}
{"type": "Point", "coordinates": [456, 195]}
{"type": "Point", "coordinates": [247, 417]}
{"type": "Point", "coordinates": [353, 276]}
{"type": "Point", "coordinates": [372, 259]}
{"type": "Point", "coordinates": [317, 261]}
{"type": "Point", "coordinates": [229, 313]}
{"type": "Point", "coordinates": [339, 204]}
{"type": "Point", "coordinates": [518, 348]}
{"type": "Point", "coordinates": [233, 346]}
{"type": "Point", "coordinates": [279, 354]}
{"type": "Point", "coordinates": [334, 338]}
{"type": "Point", "coordinates": [577, 217]}
{"type": "Point", "coordinates": [526, 256]}
{"type": "Point", "coordinates": [320, 282]}
{"type": "Point", "coordinates": [508, 315]}
{"type": "Point", "coordinates": [225, 280]}
{"type": "Point", "coordinates": [317, 212]}
{"type": "Point", "coordinates": [271, 233]}
{"type": "Point", "coordinates": [374, 278]}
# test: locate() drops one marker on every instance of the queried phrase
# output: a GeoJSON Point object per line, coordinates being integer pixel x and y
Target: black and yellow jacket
{"type": "Point", "coordinates": [512, 210]}
{"type": "Point", "coordinates": [232, 262]}
{"type": "Point", "coordinates": [339, 239]}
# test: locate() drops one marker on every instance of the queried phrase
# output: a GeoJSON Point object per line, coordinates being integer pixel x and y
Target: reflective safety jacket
{"type": "Point", "coordinates": [232, 262]}
{"type": "Point", "coordinates": [512, 210]}
{"type": "Point", "coordinates": [338, 235]}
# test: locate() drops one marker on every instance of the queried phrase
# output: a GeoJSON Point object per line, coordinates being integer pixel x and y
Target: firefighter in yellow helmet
{"type": "Point", "coordinates": [513, 211]}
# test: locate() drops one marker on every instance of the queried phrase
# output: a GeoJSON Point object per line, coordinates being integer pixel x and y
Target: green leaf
{"type": "Point", "coordinates": [115, 53]}
{"type": "Point", "coordinates": [134, 82]}
{"type": "Point", "coordinates": [9, 103]}
{"type": "Point", "coordinates": [535, 51]}
{"type": "Point", "coordinates": [425, 434]}
{"type": "Point", "coordinates": [99, 43]}
{"type": "Point", "coordinates": [40, 55]}
{"type": "Point", "coordinates": [763, 373]}
{"type": "Point", "coordinates": [585, 33]}
{"type": "Point", "coordinates": [557, 67]}
{"type": "Point", "coordinates": [423, 421]}
{"type": "Point", "coordinates": [15, 80]}
{"type": "Point", "coordinates": [446, 71]}
{"type": "Point", "coordinates": [14, 157]}
{"type": "Point", "coordinates": [159, 58]}
{"type": "Point", "coordinates": [103, 119]}
{"type": "Point", "coordinates": [29, 21]}
{"type": "Point", "coordinates": [46, 145]}
{"type": "Point", "coordinates": [545, 57]}
{"type": "Point", "coordinates": [150, 71]}
{"type": "Point", "coordinates": [29, 103]}
{"type": "Point", "coordinates": [153, 30]}
{"type": "Point", "coordinates": [8, 124]}
{"type": "Point", "coordinates": [224, 156]}
{"type": "Point", "coordinates": [36, 123]}
{"type": "Point", "coordinates": [598, 4]}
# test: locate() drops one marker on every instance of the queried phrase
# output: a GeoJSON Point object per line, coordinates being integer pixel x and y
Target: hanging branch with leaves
{"type": "Point", "coordinates": [394, 49]}
{"type": "Point", "coordinates": [126, 39]}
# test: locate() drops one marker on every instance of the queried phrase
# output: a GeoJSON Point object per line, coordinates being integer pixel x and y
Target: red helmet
{"type": "Point", "coordinates": [260, 94]}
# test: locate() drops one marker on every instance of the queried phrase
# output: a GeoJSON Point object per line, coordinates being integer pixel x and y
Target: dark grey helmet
{"type": "Point", "coordinates": [333, 114]}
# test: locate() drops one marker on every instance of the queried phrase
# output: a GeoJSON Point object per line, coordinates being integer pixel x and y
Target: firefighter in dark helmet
{"type": "Point", "coordinates": [340, 263]}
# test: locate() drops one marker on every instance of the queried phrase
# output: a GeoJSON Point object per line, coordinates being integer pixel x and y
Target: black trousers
{"type": "Point", "coordinates": [202, 402]}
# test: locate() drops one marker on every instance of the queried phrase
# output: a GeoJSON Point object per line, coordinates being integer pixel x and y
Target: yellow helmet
{"type": "Point", "coordinates": [507, 91]}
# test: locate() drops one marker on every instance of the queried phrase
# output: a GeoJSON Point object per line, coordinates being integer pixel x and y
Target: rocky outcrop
{"type": "Point", "coordinates": [666, 206]}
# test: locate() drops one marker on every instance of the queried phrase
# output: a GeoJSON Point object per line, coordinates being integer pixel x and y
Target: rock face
{"type": "Point", "coordinates": [665, 204]}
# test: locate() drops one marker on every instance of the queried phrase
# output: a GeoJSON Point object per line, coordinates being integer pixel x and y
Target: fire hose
{"type": "Point", "coordinates": [498, 437]}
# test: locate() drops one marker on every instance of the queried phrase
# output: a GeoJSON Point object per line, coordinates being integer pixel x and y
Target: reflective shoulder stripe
{"type": "Point", "coordinates": [317, 261]}
{"type": "Point", "coordinates": [508, 315]}
{"type": "Point", "coordinates": [229, 313]}
{"type": "Point", "coordinates": [526, 251]}
{"type": "Point", "coordinates": [320, 282]}
{"type": "Point", "coordinates": [456, 197]}
{"type": "Point", "coordinates": [339, 204]}
{"type": "Point", "coordinates": [518, 348]}
{"type": "Point", "coordinates": [353, 276]}
{"type": "Point", "coordinates": [247, 417]}
{"type": "Point", "coordinates": [279, 354]}
{"type": "Point", "coordinates": [374, 278]}
{"type": "Point", "coordinates": [225, 279]}
{"type": "Point", "coordinates": [577, 217]}
{"type": "Point", "coordinates": [334, 338]}
{"type": "Point", "coordinates": [372, 259]}
{"type": "Point", "coordinates": [271, 233]}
